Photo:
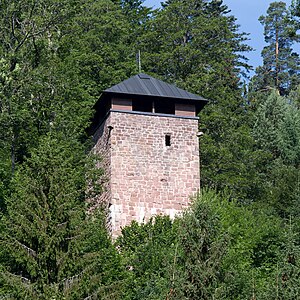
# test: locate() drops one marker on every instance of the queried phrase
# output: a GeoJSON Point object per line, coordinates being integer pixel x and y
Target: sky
{"type": "Point", "coordinates": [247, 13]}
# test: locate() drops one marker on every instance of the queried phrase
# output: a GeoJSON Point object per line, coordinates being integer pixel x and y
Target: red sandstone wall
{"type": "Point", "coordinates": [146, 176]}
{"type": "Point", "coordinates": [102, 139]}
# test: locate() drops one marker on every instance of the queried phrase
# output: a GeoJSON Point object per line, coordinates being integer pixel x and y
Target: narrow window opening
{"type": "Point", "coordinates": [168, 140]}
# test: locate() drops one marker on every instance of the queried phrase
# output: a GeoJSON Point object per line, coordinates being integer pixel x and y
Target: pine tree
{"type": "Point", "coordinates": [294, 11]}
{"type": "Point", "coordinates": [281, 65]}
{"type": "Point", "coordinates": [194, 44]}
{"type": "Point", "coordinates": [49, 247]}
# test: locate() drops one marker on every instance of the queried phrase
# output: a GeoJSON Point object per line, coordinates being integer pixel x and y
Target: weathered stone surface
{"type": "Point", "coordinates": [145, 177]}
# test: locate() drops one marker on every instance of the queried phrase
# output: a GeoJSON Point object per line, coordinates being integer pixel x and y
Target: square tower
{"type": "Point", "coordinates": [145, 130]}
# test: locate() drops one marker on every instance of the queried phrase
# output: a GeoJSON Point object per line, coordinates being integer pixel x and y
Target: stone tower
{"type": "Point", "coordinates": [146, 132]}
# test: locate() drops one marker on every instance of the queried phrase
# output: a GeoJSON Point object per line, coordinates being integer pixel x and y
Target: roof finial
{"type": "Point", "coordinates": [139, 61]}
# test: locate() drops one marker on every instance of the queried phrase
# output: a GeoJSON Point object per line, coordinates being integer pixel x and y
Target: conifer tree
{"type": "Point", "coordinates": [49, 247]}
{"type": "Point", "coordinates": [202, 248]}
{"type": "Point", "coordinates": [268, 118]}
{"type": "Point", "coordinates": [196, 45]}
{"type": "Point", "coordinates": [294, 11]}
{"type": "Point", "coordinates": [281, 65]}
{"type": "Point", "coordinates": [276, 129]}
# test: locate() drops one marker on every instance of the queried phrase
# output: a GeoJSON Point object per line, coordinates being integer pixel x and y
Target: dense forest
{"type": "Point", "coordinates": [239, 239]}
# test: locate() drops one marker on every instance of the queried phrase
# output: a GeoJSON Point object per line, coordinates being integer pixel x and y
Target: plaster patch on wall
{"type": "Point", "coordinates": [115, 212]}
{"type": "Point", "coordinates": [141, 214]}
{"type": "Point", "coordinates": [172, 213]}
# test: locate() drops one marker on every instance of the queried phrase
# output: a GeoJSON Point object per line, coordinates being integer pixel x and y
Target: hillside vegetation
{"type": "Point", "coordinates": [238, 240]}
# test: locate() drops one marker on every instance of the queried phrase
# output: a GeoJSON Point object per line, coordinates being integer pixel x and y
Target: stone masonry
{"type": "Point", "coordinates": [151, 163]}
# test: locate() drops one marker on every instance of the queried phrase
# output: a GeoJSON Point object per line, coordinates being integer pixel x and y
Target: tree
{"type": "Point", "coordinates": [137, 13]}
{"type": "Point", "coordinates": [276, 132]}
{"type": "Point", "coordinates": [50, 248]}
{"type": "Point", "coordinates": [195, 44]}
{"type": "Point", "coordinates": [269, 116]}
{"type": "Point", "coordinates": [202, 248]}
{"type": "Point", "coordinates": [29, 34]}
{"type": "Point", "coordinates": [295, 7]}
{"type": "Point", "coordinates": [280, 67]}
{"type": "Point", "coordinates": [294, 11]}
{"type": "Point", "coordinates": [285, 282]}
{"type": "Point", "coordinates": [277, 129]}
{"type": "Point", "coordinates": [149, 250]}
{"type": "Point", "coordinates": [56, 58]}
{"type": "Point", "coordinates": [98, 44]}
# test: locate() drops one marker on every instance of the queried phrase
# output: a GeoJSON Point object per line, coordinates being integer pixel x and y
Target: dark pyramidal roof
{"type": "Point", "coordinates": [143, 84]}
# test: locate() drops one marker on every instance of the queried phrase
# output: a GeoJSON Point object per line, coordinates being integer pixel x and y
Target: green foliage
{"type": "Point", "coordinates": [56, 58]}
{"type": "Point", "coordinates": [285, 283]}
{"type": "Point", "coordinates": [276, 131]}
{"type": "Point", "coordinates": [202, 247]}
{"type": "Point", "coordinates": [254, 239]}
{"type": "Point", "coordinates": [269, 116]}
{"type": "Point", "coordinates": [194, 44]}
{"type": "Point", "coordinates": [175, 260]}
{"type": "Point", "coordinates": [148, 250]}
{"type": "Point", "coordinates": [295, 8]}
{"type": "Point", "coordinates": [217, 249]}
{"type": "Point", "coordinates": [280, 68]}
{"type": "Point", "coordinates": [98, 45]}
{"type": "Point", "coordinates": [49, 246]}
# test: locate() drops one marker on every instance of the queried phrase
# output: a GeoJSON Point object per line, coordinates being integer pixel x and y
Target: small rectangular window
{"type": "Point", "coordinates": [168, 140]}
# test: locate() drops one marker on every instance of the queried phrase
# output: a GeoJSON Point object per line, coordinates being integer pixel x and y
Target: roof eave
{"type": "Point", "coordinates": [107, 93]}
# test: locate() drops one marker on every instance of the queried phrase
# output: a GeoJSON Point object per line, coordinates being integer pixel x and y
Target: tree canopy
{"type": "Point", "coordinates": [240, 237]}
